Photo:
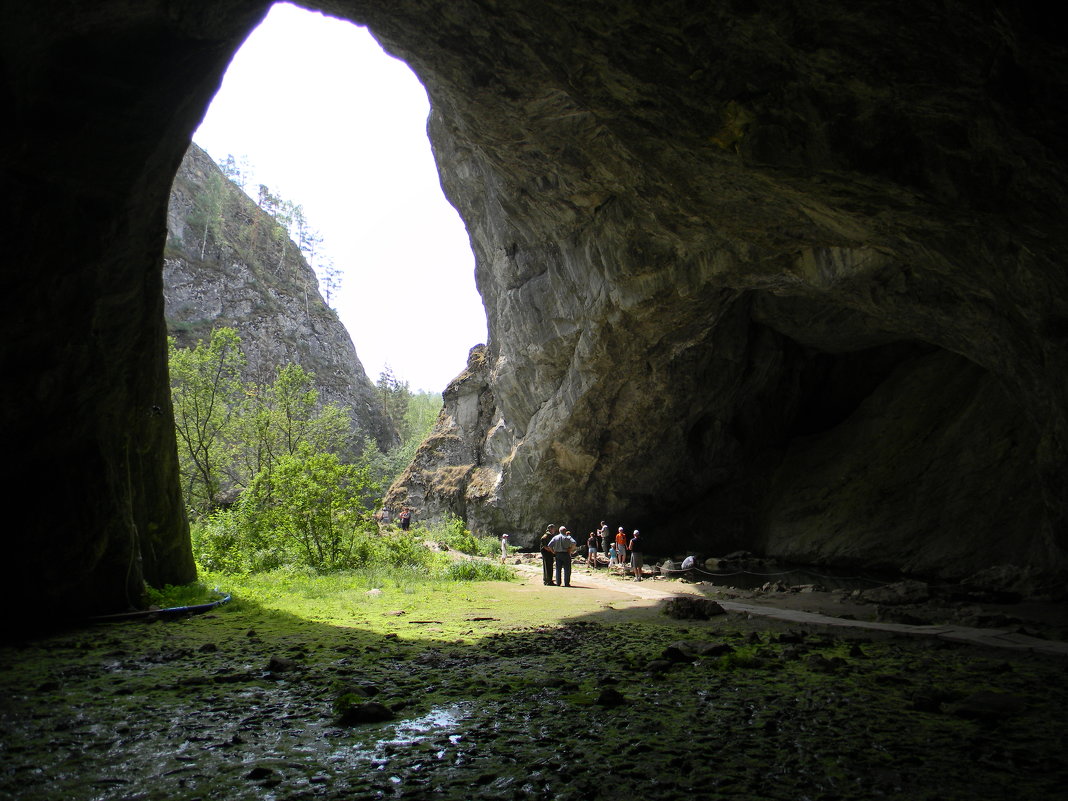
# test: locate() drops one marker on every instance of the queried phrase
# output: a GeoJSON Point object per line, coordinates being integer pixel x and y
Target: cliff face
{"type": "Point", "coordinates": [758, 276]}
{"type": "Point", "coordinates": [226, 265]}
{"type": "Point", "coordinates": [778, 274]}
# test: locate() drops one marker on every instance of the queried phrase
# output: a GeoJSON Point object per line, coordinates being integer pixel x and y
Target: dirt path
{"type": "Point", "coordinates": [607, 589]}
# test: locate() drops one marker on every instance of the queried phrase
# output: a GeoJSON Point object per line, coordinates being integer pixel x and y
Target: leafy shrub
{"type": "Point", "coordinates": [475, 570]}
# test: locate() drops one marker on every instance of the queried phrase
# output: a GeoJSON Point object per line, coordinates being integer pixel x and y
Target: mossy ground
{"type": "Point", "coordinates": [495, 687]}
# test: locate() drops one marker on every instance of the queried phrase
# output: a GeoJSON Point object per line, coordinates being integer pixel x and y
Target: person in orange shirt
{"type": "Point", "coordinates": [621, 547]}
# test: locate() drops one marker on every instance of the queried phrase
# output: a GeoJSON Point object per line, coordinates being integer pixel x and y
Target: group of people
{"type": "Point", "coordinates": [558, 547]}
{"type": "Point", "coordinates": [404, 518]}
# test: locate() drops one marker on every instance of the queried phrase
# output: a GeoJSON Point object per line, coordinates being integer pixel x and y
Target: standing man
{"type": "Point", "coordinates": [406, 518]}
{"type": "Point", "coordinates": [563, 545]}
{"type": "Point", "coordinates": [636, 555]}
{"type": "Point", "coordinates": [621, 547]}
{"type": "Point", "coordinates": [547, 556]}
{"type": "Point", "coordinates": [606, 539]}
{"type": "Point", "coordinates": [504, 548]}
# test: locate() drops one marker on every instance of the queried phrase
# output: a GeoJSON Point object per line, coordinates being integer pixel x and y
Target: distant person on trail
{"type": "Point", "coordinates": [605, 539]}
{"type": "Point", "coordinates": [504, 547]}
{"type": "Point", "coordinates": [636, 555]}
{"type": "Point", "coordinates": [387, 516]}
{"type": "Point", "coordinates": [547, 556]}
{"type": "Point", "coordinates": [621, 546]}
{"type": "Point", "coordinates": [405, 518]}
{"type": "Point", "coordinates": [591, 550]}
{"type": "Point", "coordinates": [563, 545]}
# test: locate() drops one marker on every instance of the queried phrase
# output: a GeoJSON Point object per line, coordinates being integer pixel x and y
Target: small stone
{"type": "Point", "coordinates": [989, 706]}
{"type": "Point", "coordinates": [351, 713]}
{"type": "Point", "coordinates": [688, 607]}
{"type": "Point", "coordinates": [610, 697]}
{"type": "Point", "coordinates": [282, 664]}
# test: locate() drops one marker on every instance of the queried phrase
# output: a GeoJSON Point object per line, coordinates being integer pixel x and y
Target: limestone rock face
{"type": "Point", "coordinates": [224, 267]}
{"type": "Point", "coordinates": [780, 274]}
{"type": "Point", "coordinates": [768, 276]}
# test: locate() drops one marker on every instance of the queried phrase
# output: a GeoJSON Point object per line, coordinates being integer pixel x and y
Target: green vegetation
{"type": "Point", "coordinates": [270, 480]}
{"type": "Point", "coordinates": [230, 431]}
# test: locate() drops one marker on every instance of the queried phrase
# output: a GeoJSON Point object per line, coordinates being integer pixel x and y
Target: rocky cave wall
{"type": "Point", "coordinates": [773, 276]}
{"type": "Point", "coordinates": [780, 274]}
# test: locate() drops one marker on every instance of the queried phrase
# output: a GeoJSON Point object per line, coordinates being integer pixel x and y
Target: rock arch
{"type": "Point", "coordinates": [695, 223]}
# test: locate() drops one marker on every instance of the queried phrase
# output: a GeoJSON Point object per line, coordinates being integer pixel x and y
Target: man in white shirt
{"type": "Point", "coordinates": [563, 545]}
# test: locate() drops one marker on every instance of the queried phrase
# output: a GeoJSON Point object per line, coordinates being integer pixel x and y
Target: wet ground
{"type": "Point", "coordinates": [240, 704]}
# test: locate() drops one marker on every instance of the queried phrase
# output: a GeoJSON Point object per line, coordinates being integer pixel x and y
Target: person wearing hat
{"type": "Point", "coordinates": [504, 547]}
{"type": "Point", "coordinates": [547, 556]}
{"type": "Point", "coordinates": [621, 547]}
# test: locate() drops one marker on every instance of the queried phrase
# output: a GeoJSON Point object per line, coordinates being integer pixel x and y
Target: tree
{"type": "Point", "coordinates": [236, 171]}
{"type": "Point", "coordinates": [310, 508]}
{"type": "Point", "coordinates": [206, 390]}
{"type": "Point", "coordinates": [276, 419]}
{"type": "Point", "coordinates": [208, 206]}
{"type": "Point", "coordinates": [394, 396]}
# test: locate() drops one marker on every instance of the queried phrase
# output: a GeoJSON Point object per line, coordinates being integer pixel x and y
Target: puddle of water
{"type": "Point", "coordinates": [405, 734]}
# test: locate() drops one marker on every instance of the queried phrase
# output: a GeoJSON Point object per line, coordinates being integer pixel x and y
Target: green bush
{"type": "Point", "coordinates": [473, 570]}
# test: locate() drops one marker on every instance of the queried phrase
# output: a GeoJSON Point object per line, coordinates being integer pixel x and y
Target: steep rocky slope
{"type": "Point", "coordinates": [226, 265]}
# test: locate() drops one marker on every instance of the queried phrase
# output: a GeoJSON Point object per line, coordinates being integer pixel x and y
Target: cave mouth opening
{"type": "Point", "coordinates": [315, 110]}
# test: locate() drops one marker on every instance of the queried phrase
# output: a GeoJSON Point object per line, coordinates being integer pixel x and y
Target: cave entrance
{"type": "Point", "coordinates": [316, 111]}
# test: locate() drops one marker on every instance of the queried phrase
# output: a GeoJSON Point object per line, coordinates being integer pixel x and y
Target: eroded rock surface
{"type": "Point", "coordinates": [761, 276]}
{"type": "Point", "coordinates": [224, 266]}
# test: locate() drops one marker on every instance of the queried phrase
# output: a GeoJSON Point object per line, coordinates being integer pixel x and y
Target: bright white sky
{"type": "Point", "coordinates": [329, 121]}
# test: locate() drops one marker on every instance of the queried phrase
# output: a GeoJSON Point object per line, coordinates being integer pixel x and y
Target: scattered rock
{"type": "Point", "coordinates": [679, 652]}
{"type": "Point", "coordinates": [282, 664]}
{"type": "Point", "coordinates": [610, 697]}
{"type": "Point", "coordinates": [821, 664]}
{"type": "Point", "coordinates": [353, 710]}
{"type": "Point", "coordinates": [908, 591]}
{"type": "Point", "coordinates": [659, 666]}
{"type": "Point", "coordinates": [689, 607]}
{"type": "Point", "coordinates": [928, 700]}
{"type": "Point", "coordinates": [711, 648]}
{"type": "Point", "coordinates": [259, 773]}
{"type": "Point", "coordinates": [989, 706]}
{"type": "Point", "coordinates": [373, 593]}
{"type": "Point", "coordinates": [886, 614]}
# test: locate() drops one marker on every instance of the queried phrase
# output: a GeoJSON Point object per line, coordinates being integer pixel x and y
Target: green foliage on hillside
{"type": "Point", "coordinates": [264, 478]}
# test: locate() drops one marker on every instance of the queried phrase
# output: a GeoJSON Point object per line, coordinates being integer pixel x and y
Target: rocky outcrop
{"type": "Point", "coordinates": [761, 277]}
{"type": "Point", "coordinates": [785, 274]}
{"type": "Point", "coordinates": [227, 263]}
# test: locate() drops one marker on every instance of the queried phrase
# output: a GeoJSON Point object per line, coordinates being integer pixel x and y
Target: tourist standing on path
{"type": "Point", "coordinates": [621, 547]}
{"type": "Point", "coordinates": [606, 539]}
{"type": "Point", "coordinates": [547, 556]}
{"type": "Point", "coordinates": [591, 550]}
{"type": "Point", "coordinates": [405, 518]}
{"type": "Point", "coordinates": [563, 545]}
{"type": "Point", "coordinates": [504, 547]}
{"type": "Point", "coordinates": [636, 555]}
